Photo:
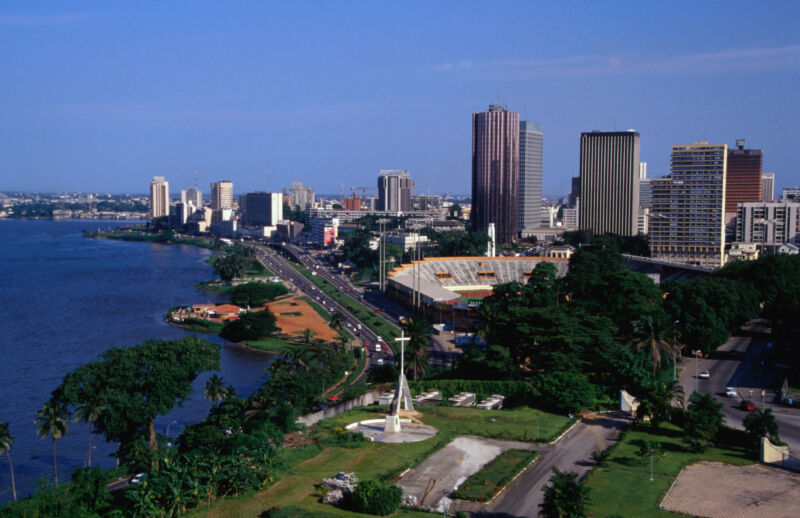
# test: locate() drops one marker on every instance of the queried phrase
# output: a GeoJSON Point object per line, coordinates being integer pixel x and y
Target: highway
{"type": "Point", "coordinates": [737, 364]}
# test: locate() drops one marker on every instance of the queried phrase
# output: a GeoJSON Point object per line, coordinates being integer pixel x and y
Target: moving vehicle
{"type": "Point", "coordinates": [704, 375]}
{"type": "Point", "coordinates": [380, 361]}
{"type": "Point", "coordinates": [377, 347]}
{"type": "Point", "coordinates": [731, 392]}
{"type": "Point", "coordinates": [747, 405]}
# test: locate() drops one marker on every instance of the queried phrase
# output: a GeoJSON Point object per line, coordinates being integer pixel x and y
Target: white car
{"type": "Point", "coordinates": [379, 339]}
{"type": "Point", "coordinates": [704, 375]}
{"type": "Point", "coordinates": [731, 392]}
{"type": "Point", "coordinates": [377, 347]}
{"type": "Point", "coordinates": [380, 361]}
{"type": "Point", "coordinates": [138, 478]}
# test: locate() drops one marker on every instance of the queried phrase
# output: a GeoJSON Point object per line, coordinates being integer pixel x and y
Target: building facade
{"type": "Point", "coordinates": [193, 196]}
{"type": "Point", "coordinates": [263, 208]}
{"type": "Point", "coordinates": [743, 179]}
{"type": "Point", "coordinates": [769, 224]}
{"type": "Point", "coordinates": [530, 174]}
{"type": "Point", "coordinates": [768, 187]}
{"type": "Point", "coordinates": [610, 182]}
{"type": "Point", "coordinates": [222, 195]}
{"type": "Point", "coordinates": [495, 172]}
{"type": "Point", "coordinates": [394, 191]}
{"type": "Point", "coordinates": [159, 197]}
{"type": "Point", "coordinates": [790, 194]}
{"type": "Point", "coordinates": [300, 196]}
{"type": "Point", "coordinates": [687, 215]}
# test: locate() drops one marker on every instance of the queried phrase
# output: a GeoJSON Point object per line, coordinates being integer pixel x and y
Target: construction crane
{"type": "Point", "coordinates": [364, 190]}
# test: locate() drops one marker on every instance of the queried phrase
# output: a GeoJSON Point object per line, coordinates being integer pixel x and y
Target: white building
{"type": "Point", "coordinates": [159, 197]}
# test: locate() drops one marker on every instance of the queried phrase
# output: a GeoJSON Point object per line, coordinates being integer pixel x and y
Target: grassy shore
{"type": "Point", "coordinates": [306, 466]}
{"type": "Point", "coordinates": [623, 486]}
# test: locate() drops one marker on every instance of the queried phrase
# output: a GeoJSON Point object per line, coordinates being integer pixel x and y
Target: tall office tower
{"type": "Point", "coordinates": [495, 172]}
{"type": "Point", "coordinates": [530, 174]}
{"type": "Point", "coordinates": [193, 196]}
{"type": "Point", "coordinates": [768, 187]}
{"type": "Point", "coordinates": [394, 191]}
{"type": "Point", "coordinates": [743, 179]}
{"type": "Point", "coordinates": [610, 182]}
{"type": "Point", "coordinates": [300, 196]}
{"type": "Point", "coordinates": [263, 208]}
{"type": "Point", "coordinates": [222, 195]}
{"type": "Point", "coordinates": [687, 223]}
{"type": "Point", "coordinates": [575, 192]}
{"type": "Point", "coordinates": [642, 170]}
{"type": "Point", "coordinates": [159, 197]}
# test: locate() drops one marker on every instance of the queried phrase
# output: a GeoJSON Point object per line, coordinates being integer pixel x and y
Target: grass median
{"type": "Point", "coordinates": [485, 484]}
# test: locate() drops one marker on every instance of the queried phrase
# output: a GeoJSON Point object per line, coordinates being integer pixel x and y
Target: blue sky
{"type": "Point", "coordinates": [101, 96]}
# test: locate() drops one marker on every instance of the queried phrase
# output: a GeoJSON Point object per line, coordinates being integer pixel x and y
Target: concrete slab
{"type": "Point", "coordinates": [409, 432]}
{"type": "Point", "coordinates": [446, 469]}
{"type": "Point", "coordinates": [736, 492]}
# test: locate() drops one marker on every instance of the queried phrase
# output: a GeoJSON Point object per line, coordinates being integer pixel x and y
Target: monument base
{"type": "Point", "coordinates": [392, 424]}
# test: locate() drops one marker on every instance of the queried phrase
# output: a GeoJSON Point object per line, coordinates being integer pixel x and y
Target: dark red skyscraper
{"type": "Point", "coordinates": [743, 180]}
{"type": "Point", "coordinates": [495, 171]}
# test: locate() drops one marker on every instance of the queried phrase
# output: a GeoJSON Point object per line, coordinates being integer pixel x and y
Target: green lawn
{"type": "Point", "coordinates": [383, 328]}
{"type": "Point", "coordinates": [294, 492]}
{"type": "Point", "coordinates": [274, 345]}
{"type": "Point", "coordinates": [483, 485]}
{"type": "Point", "coordinates": [623, 486]}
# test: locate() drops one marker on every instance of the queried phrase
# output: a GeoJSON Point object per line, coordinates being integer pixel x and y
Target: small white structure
{"type": "Point", "coordinates": [402, 395]}
{"type": "Point", "coordinates": [463, 399]}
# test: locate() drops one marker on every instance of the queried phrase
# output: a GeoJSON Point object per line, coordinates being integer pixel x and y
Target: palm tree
{"type": "Point", "coordinates": [336, 322]}
{"type": "Point", "coordinates": [5, 447]}
{"type": "Point", "coordinates": [215, 390]}
{"type": "Point", "coordinates": [52, 421]}
{"type": "Point", "coordinates": [658, 336]}
{"type": "Point", "coordinates": [88, 413]}
{"type": "Point", "coordinates": [418, 330]}
{"type": "Point", "coordinates": [657, 401]}
{"type": "Point", "coordinates": [565, 496]}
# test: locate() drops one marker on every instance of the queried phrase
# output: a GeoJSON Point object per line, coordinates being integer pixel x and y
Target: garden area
{"type": "Point", "coordinates": [492, 478]}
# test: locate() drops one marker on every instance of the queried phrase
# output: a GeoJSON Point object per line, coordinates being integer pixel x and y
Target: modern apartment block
{"type": "Point", "coordinates": [495, 172]}
{"type": "Point", "coordinates": [394, 190]}
{"type": "Point", "coordinates": [610, 182]}
{"type": "Point", "coordinates": [159, 197]}
{"type": "Point", "coordinates": [263, 208]}
{"type": "Point", "coordinates": [768, 187]}
{"type": "Point", "coordinates": [300, 196]}
{"type": "Point", "coordinates": [530, 174]}
{"type": "Point", "coordinates": [687, 216]}
{"type": "Point", "coordinates": [743, 179]}
{"type": "Point", "coordinates": [769, 224]}
{"type": "Point", "coordinates": [222, 195]}
{"type": "Point", "coordinates": [193, 196]}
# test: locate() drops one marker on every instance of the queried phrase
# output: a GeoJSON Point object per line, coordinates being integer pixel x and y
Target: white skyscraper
{"type": "Point", "coordinates": [159, 197]}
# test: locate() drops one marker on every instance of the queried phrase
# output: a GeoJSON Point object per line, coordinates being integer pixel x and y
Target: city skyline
{"type": "Point", "coordinates": [100, 103]}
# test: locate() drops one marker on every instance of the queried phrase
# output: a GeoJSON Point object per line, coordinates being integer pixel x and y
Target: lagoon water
{"type": "Point", "coordinates": [64, 299]}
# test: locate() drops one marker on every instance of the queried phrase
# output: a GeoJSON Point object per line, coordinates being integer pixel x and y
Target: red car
{"type": "Point", "coordinates": [747, 405]}
{"type": "Point", "coordinates": [333, 399]}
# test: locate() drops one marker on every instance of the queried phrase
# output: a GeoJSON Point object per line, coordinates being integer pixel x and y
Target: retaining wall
{"type": "Point", "coordinates": [366, 399]}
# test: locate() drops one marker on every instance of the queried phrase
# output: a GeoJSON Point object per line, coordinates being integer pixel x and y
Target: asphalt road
{"type": "Point", "coordinates": [573, 452]}
{"type": "Point", "coordinates": [737, 364]}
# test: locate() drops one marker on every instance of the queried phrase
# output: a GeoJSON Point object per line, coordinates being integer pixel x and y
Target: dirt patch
{"type": "Point", "coordinates": [715, 489]}
{"type": "Point", "coordinates": [302, 317]}
{"type": "Point", "coordinates": [296, 439]}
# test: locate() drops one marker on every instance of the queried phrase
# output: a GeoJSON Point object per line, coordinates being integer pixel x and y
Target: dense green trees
{"type": "Point", "coordinates": [5, 447]}
{"type": "Point", "coordinates": [703, 421]}
{"type": "Point", "coordinates": [759, 424]}
{"type": "Point", "coordinates": [256, 293]}
{"type": "Point", "coordinates": [250, 326]}
{"type": "Point", "coordinates": [565, 496]}
{"type": "Point", "coordinates": [133, 386]}
{"type": "Point", "coordinates": [229, 266]}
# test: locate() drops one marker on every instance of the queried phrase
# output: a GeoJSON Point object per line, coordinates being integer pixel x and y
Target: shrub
{"type": "Point", "coordinates": [372, 497]}
{"type": "Point", "coordinates": [567, 391]}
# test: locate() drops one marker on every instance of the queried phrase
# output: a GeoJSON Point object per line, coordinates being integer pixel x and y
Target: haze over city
{"type": "Point", "coordinates": [102, 96]}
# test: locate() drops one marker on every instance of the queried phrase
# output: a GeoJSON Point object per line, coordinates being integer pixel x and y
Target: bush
{"type": "Point", "coordinates": [567, 391]}
{"type": "Point", "coordinates": [372, 497]}
{"type": "Point", "coordinates": [256, 293]}
{"type": "Point", "coordinates": [250, 326]}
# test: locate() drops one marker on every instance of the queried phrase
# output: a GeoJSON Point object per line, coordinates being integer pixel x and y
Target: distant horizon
{"type": "Point", "coordinates": [106, 96]}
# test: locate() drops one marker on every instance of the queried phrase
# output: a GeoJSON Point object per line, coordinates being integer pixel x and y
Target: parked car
{"type": "Point", "coordinates": [747, 405]}
{"type": "Point", "coordinates": [731, 392]}
{"type": "Point", "coordinates": [380, 361]}
{"type": "Point", "coordinates": [705, 375]}
{"type": "Point", "coordinates": [138, 478]}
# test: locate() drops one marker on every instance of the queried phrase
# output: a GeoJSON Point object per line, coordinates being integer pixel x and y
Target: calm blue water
{"type": "Point", "coordinates": [64, 299]}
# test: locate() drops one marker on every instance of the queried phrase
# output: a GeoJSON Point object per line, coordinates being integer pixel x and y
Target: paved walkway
{"type": "Point", "coordinates": [714, 489]}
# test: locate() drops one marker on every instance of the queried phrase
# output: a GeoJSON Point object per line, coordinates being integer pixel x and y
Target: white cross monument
{"type": "Point", "coordinates": [402, 395]}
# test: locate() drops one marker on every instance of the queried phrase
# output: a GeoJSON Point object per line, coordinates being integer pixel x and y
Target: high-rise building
{"type": "Point", "coordinates": [193, 196]}
{"type": "Point", "coordinates": [610, 182]}
{"type": "Point", "coordinates": [495, 172]}
{"type": "Point", "coordinates": [394, 191]}
{"type": "Point", "coordinates": [687, 216]}
{"type": "Point", "coordinates": [222, 195]}
{"type": "Point", "coordinates": [263, 208]}
{"type": "Point", "coordinates": [352, 203]}
{"type": "Point", "coordinates": [768, 187]}
{"type": "Point", "coordinates": [768, 223]}
{"type": "Point", "coordinates": [300, 196]}
{"type": "Point", "coordinates": [790, 194]}
{"type": "Point", "coordinates": [530, 174]}
{"type": "Point", "coordinates": [159, 197]}
{"type": "Point", "coordinates": [575, 192]}
{"type": "Point", "coordinates": [743, 179]}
